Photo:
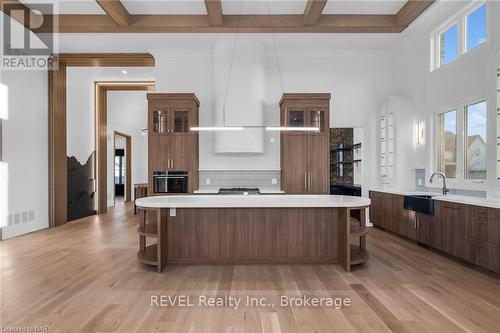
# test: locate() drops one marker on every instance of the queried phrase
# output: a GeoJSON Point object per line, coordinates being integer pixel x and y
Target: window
{"type": "Point", "coordinates": [448, 47]}
{"type": "Point", "coordinates": [466, 31]}
{"type": "Point", "coordinates": [447, 143]}
{"type": "Point", "coordinates": [476, 28]}
{"type": "Point", "coordinates": [119, 170]}
{"type": "Point", "coordinates": [475, 141]}
{"type": "Point", "coordinates": [461, 147]}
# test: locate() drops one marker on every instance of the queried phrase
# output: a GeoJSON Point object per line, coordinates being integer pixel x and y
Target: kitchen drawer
{"type": "Point", "coordinates": [484, 224]}
{"type": "Point", "coordinates": [485, 254]}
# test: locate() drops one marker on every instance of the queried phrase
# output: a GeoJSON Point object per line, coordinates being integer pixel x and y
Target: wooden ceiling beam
{"type": "Point", "coordinates": [313, 10]}
{"type": "Point", "coordinates": [214, 11]}
{"type": "Point", "coordinates": [116, 11]}
{"type": "Point", "coordinates": [410, 11]}
{"type": "Point", "coordinates": [247, 24]}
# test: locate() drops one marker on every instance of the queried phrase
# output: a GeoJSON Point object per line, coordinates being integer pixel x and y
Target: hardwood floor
{"type": "Point", "coordinates": [84, 277]}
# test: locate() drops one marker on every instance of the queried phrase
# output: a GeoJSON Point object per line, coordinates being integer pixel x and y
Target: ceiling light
{"type": "Point", "coordinates": [223, 128]}
{"type": "Point", "coordinates": [124, 72]}
{"type": "Point", "coordinates": [296, 129]}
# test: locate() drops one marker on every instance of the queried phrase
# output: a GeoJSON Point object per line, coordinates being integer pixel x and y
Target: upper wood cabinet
{"type": "Point", "coordinates": [172, 114]}
{"type": "Point", "coordinates": [305, 157]}
{"type": "Point", "coordinates": [172, 145]}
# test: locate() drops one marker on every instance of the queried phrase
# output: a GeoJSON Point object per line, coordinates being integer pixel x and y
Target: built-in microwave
{"type": "Point", "coordinates": [170, 182]}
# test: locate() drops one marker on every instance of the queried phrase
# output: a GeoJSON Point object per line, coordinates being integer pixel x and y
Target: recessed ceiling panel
{"type": "Point", "coordinates": [363, 7]}
{"type": "Point", "coordinates": [68, 6]}
{"type": "Point", "coordinates": [165, 7]}
{"type": "Point", "coordinates": [232, 7]}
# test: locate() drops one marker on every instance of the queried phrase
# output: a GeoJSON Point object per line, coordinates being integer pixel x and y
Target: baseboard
{"type": "Point", "coordinates": [21, 229]}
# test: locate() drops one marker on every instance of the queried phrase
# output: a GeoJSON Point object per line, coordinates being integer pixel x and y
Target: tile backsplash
{"type": "Point", "coordinates": [420, 181]}
{"type": "Point", "coordinates": [263, 179]}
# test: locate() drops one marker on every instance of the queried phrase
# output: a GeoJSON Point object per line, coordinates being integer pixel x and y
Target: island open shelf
{"type": "Point", "coordinates": [207, 229]}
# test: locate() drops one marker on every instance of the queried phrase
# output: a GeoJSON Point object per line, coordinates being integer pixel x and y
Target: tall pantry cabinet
{"type": "Point", "coordinates": [172, 146]}
{"type": "Point", "coordinates": [305, 155]}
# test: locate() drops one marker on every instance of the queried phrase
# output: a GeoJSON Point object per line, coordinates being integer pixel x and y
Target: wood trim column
{"type": "Point", "coordinates": [58, 169]}
{"type": "Point", "coordinates": [101, 127]}
{"type": "Point", "coordinates": [128, 176]}
{"type": "Point", "coordinates": [58, 184]}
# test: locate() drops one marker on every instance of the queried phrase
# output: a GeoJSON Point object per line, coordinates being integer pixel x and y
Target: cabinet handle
{"type": "Point", "coordinates": [172, 163]}
{"type": "Point", "coordinates": [309, 182]}
{"type": "Point", "coordinates": [305, 182]}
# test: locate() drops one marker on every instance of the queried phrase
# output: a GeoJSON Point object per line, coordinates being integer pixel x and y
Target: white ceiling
{"type": "Point", "coordinates": [193, 7]}
{"type": "Point", "coordinates": [197, 7]}
{"type": "Point", "coordinates": [261, 6]}
{"type": "Point", "coordinates": [363, 7]}
{"type": "Point", "coordinates": [69, 6]}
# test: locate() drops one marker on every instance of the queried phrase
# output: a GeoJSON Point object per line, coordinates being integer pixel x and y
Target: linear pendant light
{"type": "Point", "coordinates": [217, 128]}
{"type": "Point", "coordinates": [241, 128]}
{"type": "Point", "coordinates": [294, 129]}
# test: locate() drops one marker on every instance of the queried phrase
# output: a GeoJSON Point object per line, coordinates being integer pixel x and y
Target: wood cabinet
{"type": "Point", "coordinates": [387, 211]}
{"type": "Point", "coordinates": [452, 218]}
{"type": "Point", "coordinates": [468, 232]}
{"type": "Point", "coordinates": [483, 231]}
{"type": "Point", "coordinates": [305, 155]}
{"type": "Point", "coordinates": [172, 146]}
{"type": "Point", "coordinates": [405, 220]}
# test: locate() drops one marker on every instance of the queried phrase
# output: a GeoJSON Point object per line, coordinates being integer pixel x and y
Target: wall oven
{"type": "Point", "coordinates": [170, 182]}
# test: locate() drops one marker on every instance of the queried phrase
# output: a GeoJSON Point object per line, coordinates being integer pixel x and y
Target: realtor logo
{"type": "Point", "coordinates": [24, 46]}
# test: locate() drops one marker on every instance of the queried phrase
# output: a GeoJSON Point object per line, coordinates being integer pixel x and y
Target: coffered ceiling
{"type": "Point", "coordinates": [212, 16]}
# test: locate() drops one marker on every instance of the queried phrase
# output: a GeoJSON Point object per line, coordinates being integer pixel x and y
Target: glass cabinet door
{"type": "Point", "coordinates": [296, 118]}
{"type": "Point", "coordinates": [160, 121]}
{"type": "Point", "coordinates": [180, 121]}
{"type": "Point", "coordinates": [317, 119]}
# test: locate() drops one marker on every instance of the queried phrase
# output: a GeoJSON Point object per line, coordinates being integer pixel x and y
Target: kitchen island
{"type": "Point", "coordinates": [235, 229]}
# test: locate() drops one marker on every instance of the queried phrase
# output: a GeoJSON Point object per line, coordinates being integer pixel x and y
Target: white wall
{"type": "Point", "coordinates": [80, 103]}
{"type": "Point", "coordinates": [25, 150]}
{"type": "Point", "coordinates": [357, 79]}
{"type": "Point", "coordinates": [127, 113]}
{"type": "Point", "coordinates": [470, 76]}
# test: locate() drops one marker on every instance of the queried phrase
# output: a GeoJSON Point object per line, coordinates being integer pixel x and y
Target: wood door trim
{"type": "Point", "coordinates": [57, 131]}
{"type": "Point", "coordinates": [101, 130]}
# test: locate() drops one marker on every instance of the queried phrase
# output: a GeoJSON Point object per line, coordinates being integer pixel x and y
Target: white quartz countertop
{"type": "Point", "coordinates": [462, 199]}
{"type": "Point", "coordinates": [216, 191]}
{"type": "Point", "coordinates": [252, 201]}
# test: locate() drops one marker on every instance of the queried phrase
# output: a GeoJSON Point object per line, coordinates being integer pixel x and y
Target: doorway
{"type": "Point", "coordinates": [122, 167]}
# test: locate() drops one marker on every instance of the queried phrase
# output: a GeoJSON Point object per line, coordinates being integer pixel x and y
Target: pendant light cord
{"type": "Point", "coordinates": [235, 41]}
{"type": "Point", "coordinates": [275, 47]}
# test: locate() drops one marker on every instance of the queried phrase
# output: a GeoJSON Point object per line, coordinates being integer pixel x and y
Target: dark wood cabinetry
{"type": "Point", "coordinates": [483, 231]}
{"type": "Point", "coordinates": [172, 145]}
{"type": "Point", "coordinates": [453, 221]}
{"type": "Point", "coordinates": [467, 232]}
{"type": "Point", "coordinates": [387, 212]}
{"type": "Point", "coordinates": [305, 154]}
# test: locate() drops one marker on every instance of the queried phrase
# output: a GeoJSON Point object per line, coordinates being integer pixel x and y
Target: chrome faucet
{"type": "Point", "coordinates": [445, 189]}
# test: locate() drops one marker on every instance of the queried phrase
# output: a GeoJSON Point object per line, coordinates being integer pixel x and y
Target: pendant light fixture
{"type": "Point", "coordinates": [225, 127]}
